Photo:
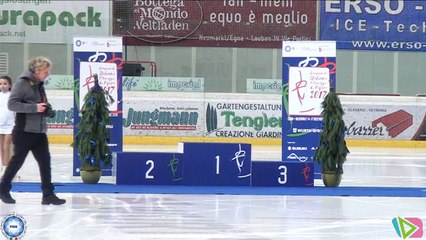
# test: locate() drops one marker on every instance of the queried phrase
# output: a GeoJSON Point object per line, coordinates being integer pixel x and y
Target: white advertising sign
{"type": "Point", "coordinates": [45, 21]}
{"type": "Point", "coordinates": [384, 121]}
{"type": "Point", "coordinates": [99, 45]}
{"type": "Point", "coordinates": [163, 117]}
{"type": "Point", "coordinates": [62, 104]}
{"type": "Point", "coordinates": [309, 48]}
{"type": "Point", "coordinates": [307, 87]}
{"type": "Point", "coordinates": [243, 118]}
{"type": "Point", "coordinates": [107, 76]}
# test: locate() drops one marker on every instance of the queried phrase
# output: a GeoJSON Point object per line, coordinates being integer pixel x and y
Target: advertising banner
{"type": "Point", "coordinates": [101, 56]}
{"type": "Point", "coordinates": [370, 119]}
{"type": "Point", "coordinates": [243, 119]}
{"type": "Point", "coordinates": [59, 82]}
{"type": "Point", "coordinates": [224, 23]}
{"type": "Point", "coordinates": [107, 77]}
{"type": "Point", "coordinates": [309, 70]}
{"type": "Point", "coordinates": [131, 83]}
{"type": "Point", "coordinates": [384, 121]}
{"type": "Point", "coordinates": [167, 84]}
{"type": "Point", "coordinates": [262, 85]}
{"type": "Point", "coordinates": [389, 25]}
{"type": "Point", "coordinates": [317, 82]}
{"type": "Point", "coordinates": [45, 21]}
{"type": "Point", "coordinates": [63, 122]}
{"type": "Point", "coordinates": [159, 117]}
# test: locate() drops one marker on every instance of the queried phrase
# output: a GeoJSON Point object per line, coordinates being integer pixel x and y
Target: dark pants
{"type": "Point", "coordinates": [38, 144]}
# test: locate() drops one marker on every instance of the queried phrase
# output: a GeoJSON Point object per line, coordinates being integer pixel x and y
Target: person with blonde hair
{"type": "Point", "coordinates": [7, 121]}
{"type": "Point", "coordinates": [29, 101]}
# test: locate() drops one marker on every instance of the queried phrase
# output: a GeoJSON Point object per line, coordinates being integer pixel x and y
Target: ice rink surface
{"type": "Point", "coordinates": [203, 216]}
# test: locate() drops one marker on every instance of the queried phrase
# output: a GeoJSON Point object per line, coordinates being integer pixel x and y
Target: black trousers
{"type": "Point", "coordinates": [24, 142]}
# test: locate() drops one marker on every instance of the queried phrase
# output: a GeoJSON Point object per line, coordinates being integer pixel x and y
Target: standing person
{"type": "Point", "coordinates": [28, 99]}
{"type": "Point", "coordinates": [7, 121]}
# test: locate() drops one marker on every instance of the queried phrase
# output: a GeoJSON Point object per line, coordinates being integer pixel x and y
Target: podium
{"type": "Point", "coordinates": [209, 164]}
{"type": "Point", "coordinates": [282, 174]}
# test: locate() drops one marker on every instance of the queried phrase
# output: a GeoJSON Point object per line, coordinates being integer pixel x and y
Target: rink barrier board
{"type": "Point", "coordinates": [155, 140]}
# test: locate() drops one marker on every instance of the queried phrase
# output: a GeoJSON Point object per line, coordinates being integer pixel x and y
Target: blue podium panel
{"type": "Point", "coordinates": [217, 164]}
{"type": "Point", "coordinates": [140, 168]}
{"type": "Point", "coordinates": [282, 174]}
{"type": "Point", "coordinates": [317, 171]}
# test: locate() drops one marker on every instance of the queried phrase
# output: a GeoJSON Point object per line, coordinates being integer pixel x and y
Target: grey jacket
{"type": "Point", "coordinates": [24, 96]}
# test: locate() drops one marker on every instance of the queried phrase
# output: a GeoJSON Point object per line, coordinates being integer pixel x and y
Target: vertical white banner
{"type": "Point", "coordinates": [307, 88]}
{"type": "Point", "coordinates": [107, 76]}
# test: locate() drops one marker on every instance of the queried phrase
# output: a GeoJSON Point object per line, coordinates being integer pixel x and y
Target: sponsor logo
{"type": "Point", "coordinates": [287, 48]}
{"type": "Point", "coordinates": [294, 156]}
{"type": "Point", "coordinates": [166, 21]}
{"type": "Point", "coordinates": [47, 19]}
{"type": "Point", "coordinates": [14, 226]}
{"type": "Point", "coordinates": [409, 227]}
{"type": "Point", "coordinates": [211, 118]}
{"type": "Point", "coordinates": [175, 168]}
{"type": "Point", "coordinates": [393, 124]}
{"type": "Point", "coordinates": [297, 148]}
{"type": "Point", "coordinates": [162, 119]}
{"type": "Point", "coordinates": [306, 175]}
{"type": "Point", "coordinates": [240, 157]}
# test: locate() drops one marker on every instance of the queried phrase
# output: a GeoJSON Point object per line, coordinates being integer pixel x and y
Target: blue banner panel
{"type": "Point", "coordinates": [282, 174]}
{"type": "Point", "coordinates": [139, 168]}
{"type": "Point", "coordinates": [309, 71]}
{"type": "Point", "coordinates": [391, 25]}
{"type": "Point", "coordinates": [300, 128]}
{"type": "Point", "coordinates": [217, 164]}
{"type": "Point", "coordinates": [99, 52]}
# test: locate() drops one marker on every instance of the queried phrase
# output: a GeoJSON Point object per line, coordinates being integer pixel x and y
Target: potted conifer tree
{"type": "Point", "coordinates": [93, 135]}
{"type": "Point", "coordinates": [332, 150]}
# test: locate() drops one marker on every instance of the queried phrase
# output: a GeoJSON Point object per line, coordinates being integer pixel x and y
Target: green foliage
{"type": "Point", "coordinates": [92, 133]}
{"type": "Point", "coordinates": [332, 150]}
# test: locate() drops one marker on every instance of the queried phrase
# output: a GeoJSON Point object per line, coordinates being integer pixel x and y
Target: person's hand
{"type": "Point", "coordinates": [41, 107]}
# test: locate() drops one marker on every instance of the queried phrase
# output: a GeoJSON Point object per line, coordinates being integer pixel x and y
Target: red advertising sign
{"type": "Point", "coordinates": [215, 23]}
